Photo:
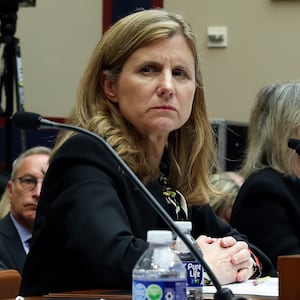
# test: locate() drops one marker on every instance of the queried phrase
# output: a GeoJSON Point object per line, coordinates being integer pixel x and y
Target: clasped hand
{"type": "Point", "coordinates": [228, 258]}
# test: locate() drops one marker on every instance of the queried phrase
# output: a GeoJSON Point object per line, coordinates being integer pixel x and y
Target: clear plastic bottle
{"type": "Point", "coordinates": [194, 270]}
{"type": "Point", "coordinates": [159, 273]}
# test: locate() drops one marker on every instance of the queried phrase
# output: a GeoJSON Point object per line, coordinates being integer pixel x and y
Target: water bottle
{"type": "Point", "coordinates": [194, 270]}
{"type": "Point", "coordinates": [159, 273]}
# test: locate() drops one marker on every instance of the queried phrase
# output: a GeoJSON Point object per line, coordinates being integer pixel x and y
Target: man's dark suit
{"type": "Point", "coordinates": [12, 253]}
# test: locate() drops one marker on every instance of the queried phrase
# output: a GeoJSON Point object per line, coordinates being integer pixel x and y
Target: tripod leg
{"type": "Point", "coordinates": [12, 75]}
{"type": "Point", "coordinates": [19, 77]}
{"type": "Point", "coordinates": [7, 80]}
{"type": "Point", "coordinates": [19, 88]}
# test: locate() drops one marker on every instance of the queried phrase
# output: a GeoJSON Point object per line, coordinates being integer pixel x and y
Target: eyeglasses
{"type": "Point", "coordinates": [28, 182]}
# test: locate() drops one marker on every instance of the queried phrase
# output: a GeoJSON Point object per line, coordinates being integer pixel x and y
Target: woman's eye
{"type": "Point", "coordinates": [148, 69]}
{"type": "Point", "coordinates": [180, 73]}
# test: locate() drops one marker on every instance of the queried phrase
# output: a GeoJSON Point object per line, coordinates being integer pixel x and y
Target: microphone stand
{"type": "Point", "coordinates": [221, 293]}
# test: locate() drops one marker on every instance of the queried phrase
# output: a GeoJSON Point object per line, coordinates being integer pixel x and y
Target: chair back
{"type": "Point", "coordinates": [10, 281]}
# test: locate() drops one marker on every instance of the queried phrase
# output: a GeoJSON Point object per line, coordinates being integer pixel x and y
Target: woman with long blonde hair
{"type": "Point", "coordinates": [142, 92]}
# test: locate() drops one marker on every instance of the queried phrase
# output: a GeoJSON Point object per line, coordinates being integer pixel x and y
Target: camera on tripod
{"type": "Point", "coordinates": [11, 71]}
{"type": "Point", "coordinates": [12, 5]}
{"type": "Point", "coordinates": [8, 15]}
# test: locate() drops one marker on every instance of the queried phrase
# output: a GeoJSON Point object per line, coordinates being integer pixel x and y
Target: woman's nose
{"type": "Point", "coordinates": [166, 85]}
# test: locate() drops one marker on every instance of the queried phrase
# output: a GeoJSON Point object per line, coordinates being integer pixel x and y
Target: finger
{"type": "Point", "coordinates": [243, 275]}
{"type": "Point", "coordinates": [227, 241]}
{"type": "Point", "coordinates": [241, 256]}
{"type": "Point", "coordinates": [205, 239]}
{"type": "Point", "coordinates": [240, 246]}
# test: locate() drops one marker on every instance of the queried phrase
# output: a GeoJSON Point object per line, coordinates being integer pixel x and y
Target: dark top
{"type": "Point", "coordinates": [267, 210]}
{"type": "Point", "coordinates": [12, 253]}
{"type": "Point", "coordinates": [92, 223]}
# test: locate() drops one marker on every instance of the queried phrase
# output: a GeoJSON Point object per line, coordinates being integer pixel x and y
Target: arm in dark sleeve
{"type": "Point", "coordinates": [91, 223]}
{"type": "Point", "coordinates": [98, 215]}
{"type": "Point", "coordinates": [268, 213]}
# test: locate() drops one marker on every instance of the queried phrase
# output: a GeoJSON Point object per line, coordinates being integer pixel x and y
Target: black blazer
{"type": "Point", "coordinates": [267, 210]}
{"type": "Point", "coordinates": [12, 253]}
{"type": "Point", "coordinates": [92, 223]}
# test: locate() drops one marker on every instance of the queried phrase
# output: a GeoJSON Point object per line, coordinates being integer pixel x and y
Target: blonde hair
{"type": "Point", "coordinates": [4, 204]}
{"type": "Point", "coordinates": [190, 148]}
{"type": "Point", "coordinates": [275, 118]}
{"type": "Point", "coordinates": [228, 184]}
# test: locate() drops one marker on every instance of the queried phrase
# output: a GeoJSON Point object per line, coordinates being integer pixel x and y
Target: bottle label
{"type": "Point", "coordinates": [194, 273]}
{"type": "Point", "coordinates": [158, 290]}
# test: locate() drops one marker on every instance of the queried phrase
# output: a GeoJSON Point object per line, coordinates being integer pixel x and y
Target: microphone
{"type": "Point", "coordinates": [29, 120]}
{"type": "Point", "coordinates": [294, 144]}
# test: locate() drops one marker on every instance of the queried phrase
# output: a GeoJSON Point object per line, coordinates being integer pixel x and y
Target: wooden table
{"type": "Point", "coordinates": [106, 294]}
